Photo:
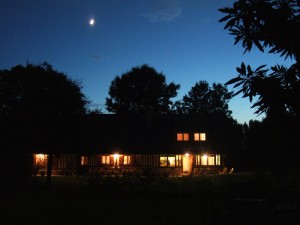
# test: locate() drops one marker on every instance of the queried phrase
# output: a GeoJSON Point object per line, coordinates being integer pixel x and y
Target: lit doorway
{"type": "Point", "coordinates": [187, 163]}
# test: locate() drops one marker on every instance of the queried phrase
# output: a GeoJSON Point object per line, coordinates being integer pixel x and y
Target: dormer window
{"type": "Point", "coordinates": [183, 137]}
{"type": "Point", "coordinates": [199, 136]}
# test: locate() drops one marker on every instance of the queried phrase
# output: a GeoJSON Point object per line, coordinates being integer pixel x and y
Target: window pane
{"type": "Point", "coordinates": [171, 161]}
{"type": "Point", "coordinates": [211, 160]}
{"type": "Point", "coordinates": [178, 160]}
{"type": "Point", "coordinates": [204, 160]}
{"type": "Point", "coordinates": [107, 159]}
{"type": "Point", "coordinates": [163, 161]}
{"type": "Point", "coordinates": [196, 137]}
{"type": "Point", "coordinates": [127, 160]}
{"type": "Point", "coordinates": [179, 137]}
{"type": "Point", "coordinates": [202, 137]}
{"type": "Point", "coordinates": [218, 160]}
{"type": "Point", "coordinates": [185, 136]}
{"type": "Point", "coordinates": [103, 161]}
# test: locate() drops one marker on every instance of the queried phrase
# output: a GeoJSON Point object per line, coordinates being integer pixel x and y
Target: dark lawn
{"type": "Point", "coordinates": [219, 199]}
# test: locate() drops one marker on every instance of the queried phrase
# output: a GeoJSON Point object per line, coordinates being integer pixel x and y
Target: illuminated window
{"type": "Point", "coordinates": [204, 160]}
{"type": "Point", "coordinates": [171, 160]}
{"type": "Point", "coordinates": [40, 160]}
{"type": "Point", "coordinates": [127, 160]}
{"type": "Point", "coordinates": [211, 160]}
{"type": "Point", "coordinates": [179, 137]}
{"type": "Point", "coordinates": [84, 160]}
{"type": "Point", "coordinates": [163, 161]}
{"type": "Point", "coordinates": [183, 137]}
{"type": "Point", "coordinates": [199, 137]}
{"type": "Point", "coordinates": [178, 160]}
{"type": "Point", "coordinates": [105, 159]}
{"type": "Point", "coordinates": [202, 137]}
{"type": "Point", "coordinates": [208, 160]}
{"type": "Point", "coordinates": [218, 160]}
{"type": "Point", "coordinates": [186, 137]}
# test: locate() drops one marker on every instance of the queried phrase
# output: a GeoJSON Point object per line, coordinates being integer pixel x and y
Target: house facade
{"type": "Point", "coordinates": [169, 144]}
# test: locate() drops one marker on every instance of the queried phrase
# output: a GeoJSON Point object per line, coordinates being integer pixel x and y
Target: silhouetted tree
{"type": "Point", "coordinates": [203, 99]}
{"type": "Point", "coordinates": [272, 26]}
{"type": "Point", "coordinates": [141, 90]}
{"type": "Point", "coordinates": [40, 110]}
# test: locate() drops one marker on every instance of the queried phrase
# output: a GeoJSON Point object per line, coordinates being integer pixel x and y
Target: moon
{"type": "Point", "coordinates": [92, 22]}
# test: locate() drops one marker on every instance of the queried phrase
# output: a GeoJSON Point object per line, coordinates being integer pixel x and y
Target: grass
{"type": "Point", "coordinates": [210, 199]}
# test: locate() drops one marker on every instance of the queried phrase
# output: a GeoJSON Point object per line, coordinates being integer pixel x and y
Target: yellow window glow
{"type": "Point", "coordinates": [204, 160]}
{"type": "Point", "coordinates": [211, 160]}
{"type": "Point", "coordinates": [202, 136]}
{"type": "Point", "coordinates": [218, 160]}
{"type": "Point", "coordinates": [127, 160]}
{"type": "Point", "coordinates": [163, 161]}
{"type": "Point", "coordinates": [196, 137]}
{"type": "Point", "coordinates": [171, 161]}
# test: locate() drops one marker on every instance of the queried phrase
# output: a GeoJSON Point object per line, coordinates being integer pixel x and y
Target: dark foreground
{"type": "Point", "coordinates": [219, 199]}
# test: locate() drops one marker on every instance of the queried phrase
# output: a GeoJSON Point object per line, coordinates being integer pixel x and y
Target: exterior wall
{"type": "Point", "coordinates": [164, 164]}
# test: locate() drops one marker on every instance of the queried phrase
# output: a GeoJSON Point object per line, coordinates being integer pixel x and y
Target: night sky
{"type": "Point", "coordinates": [181, 38]}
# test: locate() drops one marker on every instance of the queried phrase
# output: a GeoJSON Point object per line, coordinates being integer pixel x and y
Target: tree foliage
{"type": "Point", "coordinates": [273, 26]}
{"type": "Point", "coordinates": [40, 111]}
{"type": "Point", "coordinates": [203, 99]}
{"type": "Point", "coordinates": [39, 90]}
{"type": "Point", "coordinates": [141, 90]}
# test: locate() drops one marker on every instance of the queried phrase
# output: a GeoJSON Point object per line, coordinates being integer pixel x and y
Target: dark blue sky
{"type": "Point", "coordinates": [181, 38]}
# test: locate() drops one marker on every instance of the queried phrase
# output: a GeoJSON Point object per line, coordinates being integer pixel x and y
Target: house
{"type": "Point", "coordinates": [172, 144]}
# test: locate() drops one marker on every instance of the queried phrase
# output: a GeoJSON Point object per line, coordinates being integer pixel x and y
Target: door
{"type": "Point", "coordinates": [187, 163]}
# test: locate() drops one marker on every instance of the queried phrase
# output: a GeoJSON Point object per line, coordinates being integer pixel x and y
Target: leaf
{"type": "Point", "coordinates": [258, 45]}
{"type": "Point", "coordinates": [249, 69]}
{"type": "Point", "coordinates": [234, 80]}
{"type": "Point", "coordinates": [237, 93]}
{"type": "Point", "coordinates": [230, 23]}
{"type": "Point", "coordinates": [260, 67]}
{"type": "Point", "coordinates": [238, 84]}
{"type": "Point", "coordinates": [225, 18]}
{"type": "Point", "coordinates": [237, 39]}
{"type": "Point", "coordinates": [243, 69]}
{"type": "Point", "coordinates": [226, 10]}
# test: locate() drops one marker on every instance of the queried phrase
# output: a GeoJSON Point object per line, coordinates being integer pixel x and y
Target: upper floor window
{"type": "Point", "coordinates": [183, 137]}
{"type": "Point", "coordinates": [199, 137]}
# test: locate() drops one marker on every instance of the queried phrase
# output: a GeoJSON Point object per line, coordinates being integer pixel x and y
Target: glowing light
{"type": "Point", "coordinates": [92, 22]}
{"type": "Point", "coordinates": [204, 160]}
{"type": "Point", "coordinates": [202, 137]}
{"type": "Point", "coordinates": [40, 156]}
{"type": "Point", "coordinates": [187, 154]}
{"type": "Point", "coordinates": [116, 156]}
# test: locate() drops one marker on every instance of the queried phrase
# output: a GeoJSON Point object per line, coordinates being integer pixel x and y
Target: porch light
{"type": "Point", "coordinates": [187, 154]}
{"type": "Point", "coordinates": [116, 156]}
{"type": "Point", "coordinates": [40, 156]}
